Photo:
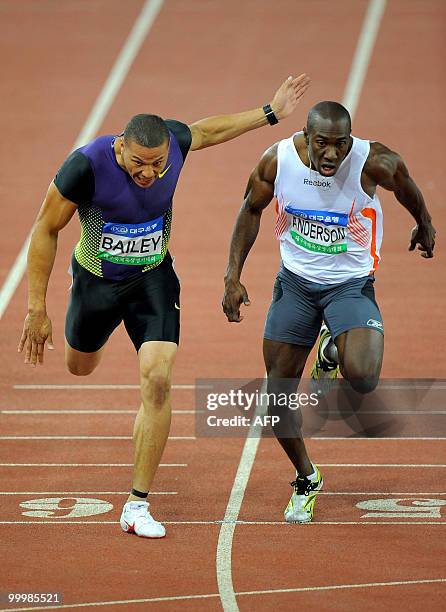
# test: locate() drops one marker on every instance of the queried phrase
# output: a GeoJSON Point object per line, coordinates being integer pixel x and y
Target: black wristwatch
{"type": "Point", "coordinates": [271, 117]}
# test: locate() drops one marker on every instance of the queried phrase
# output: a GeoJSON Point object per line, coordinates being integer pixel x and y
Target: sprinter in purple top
{"type": "Point", "coordinates": [125, 226]}
{"type": "Point", "coordinates": [122, 188]}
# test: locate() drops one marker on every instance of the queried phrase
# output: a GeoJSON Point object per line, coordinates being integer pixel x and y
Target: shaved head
{"type": "Point", "coordinates": [328, 136]}
{"type": "Point", "coordinates": [332, 112]}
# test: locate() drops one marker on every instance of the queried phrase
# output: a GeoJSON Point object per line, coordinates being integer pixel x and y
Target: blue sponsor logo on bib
{"type": "Point", "coordinates": [134, 229]}
{"type": "Point", "coordinates": [320, 216]}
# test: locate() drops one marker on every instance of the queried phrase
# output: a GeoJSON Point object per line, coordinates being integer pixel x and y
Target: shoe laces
{"type": "Point", "coordinates": [303, 485]}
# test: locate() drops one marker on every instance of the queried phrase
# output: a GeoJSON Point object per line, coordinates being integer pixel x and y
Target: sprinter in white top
{"type": "Point", "coordinates": [330, 220]}
{"type": "Point", "coordinates": [329, 225]}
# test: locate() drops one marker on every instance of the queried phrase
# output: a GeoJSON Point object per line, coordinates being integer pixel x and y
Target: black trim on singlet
{"type": "Point", "coordinates": [182, 133]}
{"type": "Point", "coordinates": [75, 179]}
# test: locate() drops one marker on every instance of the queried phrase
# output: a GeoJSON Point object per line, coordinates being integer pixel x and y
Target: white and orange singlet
{"type": "Point", "coordinates": [329, 229]}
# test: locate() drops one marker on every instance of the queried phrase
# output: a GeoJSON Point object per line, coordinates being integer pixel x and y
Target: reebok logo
{"type": "Point", "coordinates": [317, 183]}
{"type": "Point", "coordinates": [374, 323]}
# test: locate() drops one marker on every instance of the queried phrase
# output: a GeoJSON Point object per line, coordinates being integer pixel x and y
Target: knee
{"type": "Point", "coordinates": [155, 385]}
{"type": "Point", "coordinates": [79, 363]}
{"type": "Point", "coordinates": [363, 378]}
{"type": "Point", "coordinates": [364, 385]}
{"type": "Point", "coordinates": [79, 369]}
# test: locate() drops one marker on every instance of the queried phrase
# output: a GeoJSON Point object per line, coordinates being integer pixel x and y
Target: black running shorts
{"type": "Point", "coordinates": [149, 305]}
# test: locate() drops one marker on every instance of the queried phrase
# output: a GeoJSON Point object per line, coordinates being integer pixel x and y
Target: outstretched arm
{"type": "Point", "coordinates": [259, 193]}
{"type": "Point", "coordinates": [389, 171]}
{"type": "Point", "coordinates": [221, 128]}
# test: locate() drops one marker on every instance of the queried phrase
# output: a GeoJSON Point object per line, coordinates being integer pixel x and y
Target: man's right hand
{"type": "Point", "coordinates": [423, 235]}
{"type": "Point", "coordinates": [235, 294]}
{"type": "Point", "coordinates": [288, 96]}
{"type": "Point", "coordinates": [37, 330]}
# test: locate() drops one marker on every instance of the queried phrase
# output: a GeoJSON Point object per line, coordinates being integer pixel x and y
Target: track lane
{"type": "Point", "coordinates": [202, 295]}
{"type": "Point", "coordinates": [405, 288]}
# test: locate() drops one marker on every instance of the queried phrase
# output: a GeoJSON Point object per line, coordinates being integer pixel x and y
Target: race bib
{"type": "Point", "coordinates": [319, 231]}
{"type": "Point", "coordinates": [132, 244]}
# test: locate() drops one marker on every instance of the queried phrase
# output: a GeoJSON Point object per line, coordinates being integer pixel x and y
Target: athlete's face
{"type": "Point", "coordinates": [144, 164]}
{"type": "Point", "coordinates": [328, 143]}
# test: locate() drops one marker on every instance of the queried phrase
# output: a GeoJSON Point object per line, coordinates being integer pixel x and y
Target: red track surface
{"type": "Point", "coordinates": [203, 58]}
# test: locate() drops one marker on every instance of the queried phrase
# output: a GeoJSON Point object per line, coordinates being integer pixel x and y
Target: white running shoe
{"type": "Point", "coordinates": [136, 518]}
{"type": "Point", "coordinates": [300, 508]}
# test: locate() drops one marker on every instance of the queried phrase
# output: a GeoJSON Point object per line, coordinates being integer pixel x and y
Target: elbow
{"type": "Point", "coordinates": [209, 138]}
{"type": "Point", "coordinates": [250, 211]}
{"type": "Point", "coordinates": [43, 231]}
{"type": "Point", "coordinates": [205, 134]}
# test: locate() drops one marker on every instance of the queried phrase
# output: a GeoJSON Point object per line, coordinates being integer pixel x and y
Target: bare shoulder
{"type": "Point", "coordinates": [383, 167]}
{"type": "Point", "coordinates": [381, 160]}
{"type": "Point", "coordinates": [267, 166]}
{"type": "Point", "coordinates": [56, 211]}
{"type": "Point", "coordinates": [260, 188]}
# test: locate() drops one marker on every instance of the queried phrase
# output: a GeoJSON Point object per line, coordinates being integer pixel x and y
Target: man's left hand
{"type": "Point", "coordinates": [423, 235]}
{"type": "Point", "coordinates": [288, 95]}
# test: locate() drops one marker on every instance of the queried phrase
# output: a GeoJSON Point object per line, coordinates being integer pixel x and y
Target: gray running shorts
{"type": "Point", "coordinates": [299, 306]}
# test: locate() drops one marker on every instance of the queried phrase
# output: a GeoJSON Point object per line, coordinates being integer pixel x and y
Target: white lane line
{"type": "Point", "coordinates": [93, 122]}
{"type": "Point", "coordinates": [82, 492]}
{"type": "Point", "coordinates": [390, 465]}
{"type": "Point", "coordinates": [363, 53]}
{"type": "Point", "coordinates": [220, 523]}
{"type": "Point", "coordinates": [14, 276]}
{"type": "Point", "coordinates": [85, 465]}
{"type": "Point", "coordinates": [433, 386]}
{"type": "Point", "coordinates": [354, 438]}
{"type": "Point", "coordinates": [187, 438]}
{"type": "Point", "coordinates": [74, 411]}
{"type": "Point", "coordinates": [57, 411]}
{"type": "Point", "coordinates": [348, 493]}
{"type": "Point", "coordinates": [21, 387]}
{"type": "Point", "coordinates": [386, 412]}
{"type": "Point", "coordinates": [119, 71]}
{"type": "Point", "coordinates": [101, 387]}
{"type": "Point", "coordinates": [124, 602]}
{"type": "Point", "coordinates": [85, 438]}
{"type": "Point", "coordinates": [408, 493]}
{"type": "Point", "coordinates": [226, 535]}
{"type": "Point", "coordinates": [364, 585]}
{"type": "Point", "coordinates": [364, 522]}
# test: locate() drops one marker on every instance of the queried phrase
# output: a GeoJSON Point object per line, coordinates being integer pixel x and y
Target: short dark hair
{"type": "Point", "coordinates": [146, 130]}
{"type": "Point", "coordinates": [328, 110]}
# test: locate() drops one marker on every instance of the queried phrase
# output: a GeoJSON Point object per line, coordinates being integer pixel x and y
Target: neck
{"type": "Point", "coordinates": [309, 159]}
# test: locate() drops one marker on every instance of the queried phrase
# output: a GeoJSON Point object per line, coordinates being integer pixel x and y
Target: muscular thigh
{"type": "Point", "coordinates": [360, 353]}
{"type": "Point", "coordinates": [151, 306]}
{"type": "Point", "coordinates": [355, 322]}
{"type": "Point", "coordinates": [284, 360]}
{"type": "Point", "coordinates": [351, 305]}
{"type": "Point", "coordinates": [293, 317]}
{"type": "Point", "coordinates": [93, 311]}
